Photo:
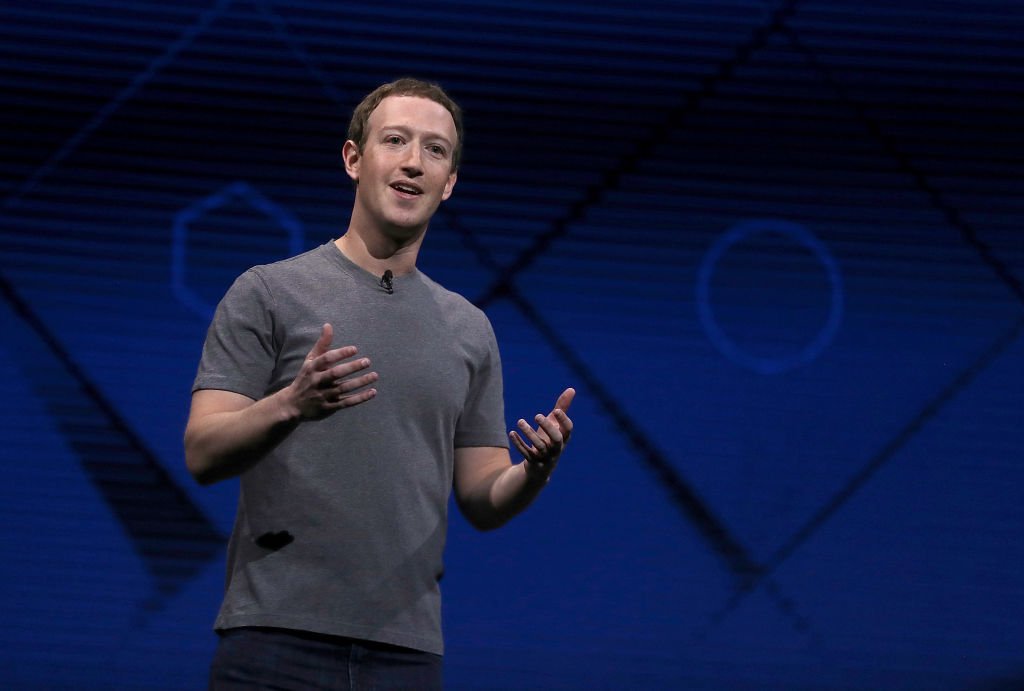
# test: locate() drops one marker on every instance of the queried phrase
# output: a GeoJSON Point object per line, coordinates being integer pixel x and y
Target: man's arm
{"type": "Point", "coordinates": [227, 433]}
{"type": "Point", "coordinates": [490, 489]}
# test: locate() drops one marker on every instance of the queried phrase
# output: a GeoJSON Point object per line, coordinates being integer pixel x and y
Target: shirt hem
{"type": "Point", "coordinates": [284, 621]}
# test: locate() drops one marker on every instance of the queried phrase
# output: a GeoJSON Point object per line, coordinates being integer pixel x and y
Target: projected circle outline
{"type": "Point", "coordinates": [726, 345]}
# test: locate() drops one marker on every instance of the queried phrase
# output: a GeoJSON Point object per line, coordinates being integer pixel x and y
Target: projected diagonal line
{"type": "Point", "coordinates": [171, 536]}
{"type": "Point", "coordinates": [103, 114]}
{"type": "Point", "coordinates": [921, 181]}
{"type": "Point", "coordinates": [871, 468]}
{"type": "Point", "coordinates": [933, 407]}
{"type": "Point", "coordinates": [722, 542]}
{"type": "Point", "coordinates": [298, 49]}
{"type": "Point", "coordinates": [736, 557]}
{"type": "Point", "coordinates": [168, 532]}
{"type": "Point", "coordinates": [612, 179]}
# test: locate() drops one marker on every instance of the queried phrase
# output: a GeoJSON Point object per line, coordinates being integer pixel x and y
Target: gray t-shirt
{"type": "Point", "coordinates": [341, 529]}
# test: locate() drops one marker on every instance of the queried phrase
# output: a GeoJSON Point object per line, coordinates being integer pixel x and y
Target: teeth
{"type": "Point", "coordinates": [404, 188]}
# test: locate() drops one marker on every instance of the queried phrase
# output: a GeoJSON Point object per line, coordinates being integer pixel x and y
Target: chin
{"type": "Point", "coordinates": [409, 223]}
{"type": "Point", "coordinates": [404, 229]}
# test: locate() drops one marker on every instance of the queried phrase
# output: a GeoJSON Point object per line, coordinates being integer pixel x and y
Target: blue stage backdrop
{"type": "Point", "coordinates": [776, 246]}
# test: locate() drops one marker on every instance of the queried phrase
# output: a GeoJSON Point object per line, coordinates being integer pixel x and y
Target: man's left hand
{"type": "Point", "coordinates": [542, 446]}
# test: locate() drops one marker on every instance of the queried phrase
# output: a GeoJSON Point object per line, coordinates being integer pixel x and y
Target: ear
{"type": "Point", "coordinates": [351, 156]}
{"type": "Point", "coordinates": [450, 185]}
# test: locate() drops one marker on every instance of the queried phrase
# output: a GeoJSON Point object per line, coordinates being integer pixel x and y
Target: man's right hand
{"type": "Point", "coordinates": [227, 433]}
{"type": "Point", "coordinates": [328, 381]}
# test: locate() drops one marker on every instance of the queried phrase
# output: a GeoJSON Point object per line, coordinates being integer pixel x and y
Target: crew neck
{"type": "Point", "coordinates": [359, 272]}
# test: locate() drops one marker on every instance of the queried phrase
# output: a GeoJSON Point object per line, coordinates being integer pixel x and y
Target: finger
{"type": "Point", "coordinates": [347, 368]}
{"type": "Point", "coordinates": [348, 385]}
{"type": "Point", "coordinates": [351, 399]}
{"type": "Point", "coordinates": [550, 429]}
{"type": "Point", "coordinates": [520, 445]}
{"type": "Point", "coordinates": [332, 377]}
{"type": "Point", "coordinates": [564, 422]}
{"type": "Point", "coordinates": [336, 355]}
{"type": "Point", "coordinates": [324, 376]}
{"type": "Point", "coordinates": [532, 436]}
{"type": "Point", "coordinates": [565, 400]}
{"type": "Point", "coordinates": [323, 343]}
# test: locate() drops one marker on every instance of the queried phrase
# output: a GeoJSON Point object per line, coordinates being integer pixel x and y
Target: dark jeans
{"type": "Point", "coordinates": [281, 659]}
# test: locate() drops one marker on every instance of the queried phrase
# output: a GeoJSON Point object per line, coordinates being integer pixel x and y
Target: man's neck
{"type": "Point", "coordinates": [378, 253]}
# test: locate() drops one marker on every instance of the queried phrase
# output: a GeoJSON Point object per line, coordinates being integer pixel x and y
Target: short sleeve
{"type": "Point", "coordinates": [482, 422]}
{"type": "Point", "coordinates": [239, 353]}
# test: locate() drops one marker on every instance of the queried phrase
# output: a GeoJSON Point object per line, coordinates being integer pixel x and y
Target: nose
{"type": "Point", "coordinates": [412, 164]}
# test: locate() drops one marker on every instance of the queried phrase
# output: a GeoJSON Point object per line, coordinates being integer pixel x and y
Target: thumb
{"type": "Point", "coordinates": [565, 400]}
{"type": "Point", "coordinates": [323, 344]}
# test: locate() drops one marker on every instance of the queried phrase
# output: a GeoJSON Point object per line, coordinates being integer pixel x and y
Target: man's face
{"type": "Point", "coordinates": [404, 169]}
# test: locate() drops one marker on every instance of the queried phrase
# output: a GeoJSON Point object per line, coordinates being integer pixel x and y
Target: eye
{"type": "Point", "coordinates": [393, 139]}
{"type": "Point", "coordinates": [437, 150]}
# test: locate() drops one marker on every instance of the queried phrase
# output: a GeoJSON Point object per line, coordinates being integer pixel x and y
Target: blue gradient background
{"type": "Point", "coordinates": [776, 247]}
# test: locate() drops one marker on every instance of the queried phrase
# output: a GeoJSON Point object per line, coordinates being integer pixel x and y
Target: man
{"type": "Point", "coordinates": [347, 454]}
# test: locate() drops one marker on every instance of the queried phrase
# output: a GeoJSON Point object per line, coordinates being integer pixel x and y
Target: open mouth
{"type": "Point", "coordinates": [407, 189]}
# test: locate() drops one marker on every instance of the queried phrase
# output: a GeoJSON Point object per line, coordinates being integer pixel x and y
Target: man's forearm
{"type": "Point", "coordinates": [227, 433]}
{"type": "Point", "coordinates": [515, 489]}
{"type": "Point", "coordinates": [223, 444]}
{"type": "Point", "coordinates": [501, 496]}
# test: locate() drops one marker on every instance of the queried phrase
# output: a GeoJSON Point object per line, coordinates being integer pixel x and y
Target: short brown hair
{"type": "Point", "coordinates": [406, 86]}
